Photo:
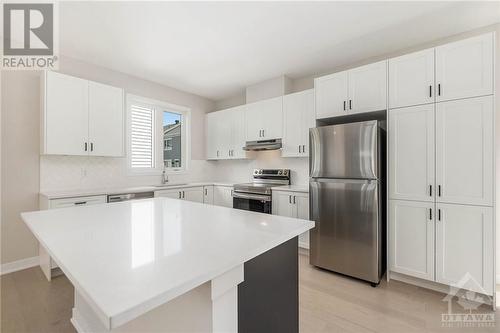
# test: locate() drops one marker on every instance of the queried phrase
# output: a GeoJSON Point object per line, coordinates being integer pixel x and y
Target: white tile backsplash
{"type": "Point", "coordinates": [82, 172]}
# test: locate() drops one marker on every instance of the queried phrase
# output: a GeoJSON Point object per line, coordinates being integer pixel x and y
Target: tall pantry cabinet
{"type": "Point", "coordinates": [441, 164]}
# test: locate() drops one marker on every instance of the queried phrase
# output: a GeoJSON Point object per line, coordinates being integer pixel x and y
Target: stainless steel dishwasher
{"type": "Point", "coordinates": [130, 196]}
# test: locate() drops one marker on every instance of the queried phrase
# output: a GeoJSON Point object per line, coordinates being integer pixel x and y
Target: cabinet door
{"type": "Point", "coordinates": [411, 238]}
{"type": "Point", "coordinates": [78, 201]}
{"type": "Point", "coordinates": [272, 118]}
{"type": "Point", "coordinates": [65, 115]}
{"type": "Point", "coordinates": [465, 68]}
{"type": "Point", "coordinates": [208, 195]}
{"type": "Point", "coordinates": [223, 196]}
{"type": "Point", "coordinates": [302, 206]}
{"type": "Point", "coordinates": [308, 121]}
{"type": "Point", "coordinates": [331, 95]}
{"type": "Point", "coordinates": [464, 151]}
{"type": "Point", "coordinates": [238, 132]}
{"type": "Point", "coordinates": [411, 151]}
{"type": "Point", "coordinates": [283, 204]}
{"type": "Point", "coordinates": [411, 79]}
{"type": "Point", "coordinates": [292, 126]}
{"type": "Point", "coordinates": [464, 247]}
{"type": "Point", "coordinates": [195, 194]}
{"type": "Point", "coordinates": [106, 120]}
{"type": "Point", "coordinates": [298, 117]}
{"type": "Point", "coordinates": [368, 88]}
{"type": "Point", "coordinates": [212, 136]}
{"type": "Point", "coordinates": [224, 130]}
{"type": "Point", "coordinates": [174, 194]}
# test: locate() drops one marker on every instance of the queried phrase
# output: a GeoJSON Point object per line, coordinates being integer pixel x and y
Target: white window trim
{"type": "Point", "coordinates": [161, 106]}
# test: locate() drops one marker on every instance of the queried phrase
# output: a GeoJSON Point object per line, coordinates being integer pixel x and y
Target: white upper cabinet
{"type": "Point", "coordinates": [464, 151]}
{"type": "Point", "coordinates": [464, 246]}
{"type": "Point", "coordinates": [65, 115]}
{"type": "Point", "coordinates": [298, 117]}
{"type": "Point", "coordinates": [361, 89]}
{"type": "Point", "coordinates": [411, 151]}
{"type": "Point", "coordinates": [237, 133]}
{"type": "Point", "coordinates": [226, 134]}
{"type": "Point", "coordinates": [411, 79]}
{"type": "Point", "coordinates": [411, 235]}
{"type": "Point", "coordinates": [106, 121]}
{"type": "Point", "coordinates": [81, 117]}
{"type": "Point", "coordinates": [264, 119]}
{"type": "Point", "coordinates": [331, 95]}
{"type": "Point", "coordinates": [368, 88]}
{"type": "Point", "coordinates": [212, 132]}
{"type": "Point", "coordinates": [465, 68]}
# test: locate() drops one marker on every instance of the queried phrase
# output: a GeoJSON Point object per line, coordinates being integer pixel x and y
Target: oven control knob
{"type": "Point", "coordinates": [260, 172]}
{"type": "Point", "coordinates": [279, 172]}
{"type": "Point", "coordinates": [256, 172]}
{"type": "Point", "coordinates": [285, 172]}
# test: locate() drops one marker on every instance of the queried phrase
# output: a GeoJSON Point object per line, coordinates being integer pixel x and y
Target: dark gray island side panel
{"type": "Point", "coordinates": [268, 298]}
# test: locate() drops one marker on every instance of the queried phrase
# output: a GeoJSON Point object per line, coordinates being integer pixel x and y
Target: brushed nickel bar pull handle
{"type": "Point", "coordinates": [344, 105]}
{"type": "Point", "coordinates": [294, 199]}
{"type": "Point", "coordinates": [430, 214]}
{"type": "Point", "coordinates": [439, 190]}
{"type": "Point", "coordinates": [289, 199]}
{"type": "Point", "coordinates": [85, 146]}
{"type": "Point", "coordinates": [430, 91]}
{"type": "Point", "coordinates": [439, 214]}
{"type": "Point", "coordinates": [430, 190]}
{"type": "Point", "coordinates": [439, 89]}
{"type": "Point", "coordinates": [350, 104]}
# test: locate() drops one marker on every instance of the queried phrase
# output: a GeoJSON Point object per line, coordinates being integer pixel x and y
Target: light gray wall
{"type": "Point", "coordinates": [20, 142]}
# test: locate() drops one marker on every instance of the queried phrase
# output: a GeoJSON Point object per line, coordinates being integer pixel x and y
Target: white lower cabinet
{"type": "Point", "coordinates": [223, 196]}
{"type": "Point", "coordinates": [195, 194]}
{"type": "Point", "coordinates": [411, 235]}
{"type": "Point", "coordinates": [208, 194]}
{"type": "Point", "coordinates": [292, 204]}
{"type": "Point", "coordinates": [464, 246]}
{"type": "Point", "coordinates": [446, 243]}
{"type": "Point", "coordinates": [49, 266]}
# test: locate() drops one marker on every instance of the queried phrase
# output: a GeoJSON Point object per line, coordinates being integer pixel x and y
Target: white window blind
{"type": "Point", "coordinates": [142, 136]}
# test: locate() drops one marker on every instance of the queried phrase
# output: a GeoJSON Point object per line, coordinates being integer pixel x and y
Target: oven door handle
{"type": "Point", "coordinates": [251, 196]}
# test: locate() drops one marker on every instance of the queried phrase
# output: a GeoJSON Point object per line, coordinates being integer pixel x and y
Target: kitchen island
{"type": "Point", "coordinates": [166, 265]}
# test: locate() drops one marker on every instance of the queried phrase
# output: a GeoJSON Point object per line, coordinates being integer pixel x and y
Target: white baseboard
{"type": "Point", "coordinates": [19, 265]}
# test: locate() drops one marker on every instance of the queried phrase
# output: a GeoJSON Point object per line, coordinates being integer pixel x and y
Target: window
{"type": "Point", "coordinates": [142, 136]}
{"type": "Point", "coordinates": [157, 136]}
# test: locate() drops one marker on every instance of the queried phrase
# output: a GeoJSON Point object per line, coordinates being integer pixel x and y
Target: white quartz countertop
{"type": "Point", "coordinates": [127, 258]}
{"type": "Point", "coordinates": [292, 188]}
{"type": "Point", "coordinates": [121, 190]}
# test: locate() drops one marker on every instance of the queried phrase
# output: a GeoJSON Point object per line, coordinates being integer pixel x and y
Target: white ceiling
{"type": "Point", "coordinates": [216, 49]}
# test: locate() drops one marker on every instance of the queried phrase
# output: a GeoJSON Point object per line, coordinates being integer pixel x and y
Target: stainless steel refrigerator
{"type": "Point", "coordinates": [346, 189]}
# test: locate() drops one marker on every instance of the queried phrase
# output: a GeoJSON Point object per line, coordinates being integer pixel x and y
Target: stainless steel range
{"type": "Point", "coordinates": [256, 196]}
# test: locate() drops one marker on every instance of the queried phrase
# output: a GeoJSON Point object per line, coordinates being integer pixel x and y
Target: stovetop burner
{"type": "Point", "coordinates": [264, 180]}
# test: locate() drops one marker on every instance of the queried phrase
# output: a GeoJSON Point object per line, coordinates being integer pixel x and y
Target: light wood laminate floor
{"type": "Point", "coordinates": [328, 303]}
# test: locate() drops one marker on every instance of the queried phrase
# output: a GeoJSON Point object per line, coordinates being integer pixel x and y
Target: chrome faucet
{"type": "Point", "coordinates": [164, 177]}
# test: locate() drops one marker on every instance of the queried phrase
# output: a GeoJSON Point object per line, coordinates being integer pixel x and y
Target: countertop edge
{"type": "Point", "coordinates": [122, 318]}
{"type": "Point", "coordinates": [52, 195]}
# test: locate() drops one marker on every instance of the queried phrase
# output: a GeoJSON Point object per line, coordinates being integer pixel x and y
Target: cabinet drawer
{"type": "Point", "coordinates": [79, 201]}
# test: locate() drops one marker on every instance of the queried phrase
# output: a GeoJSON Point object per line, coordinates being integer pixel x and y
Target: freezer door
{"type": "Point", "coordinates": [347, 236]}
{"type": "Point", "coordinates": [344, 151]}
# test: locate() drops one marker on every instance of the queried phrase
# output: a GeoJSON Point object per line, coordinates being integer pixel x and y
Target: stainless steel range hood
{"type": "Point", "coordinates": [263, 145]}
